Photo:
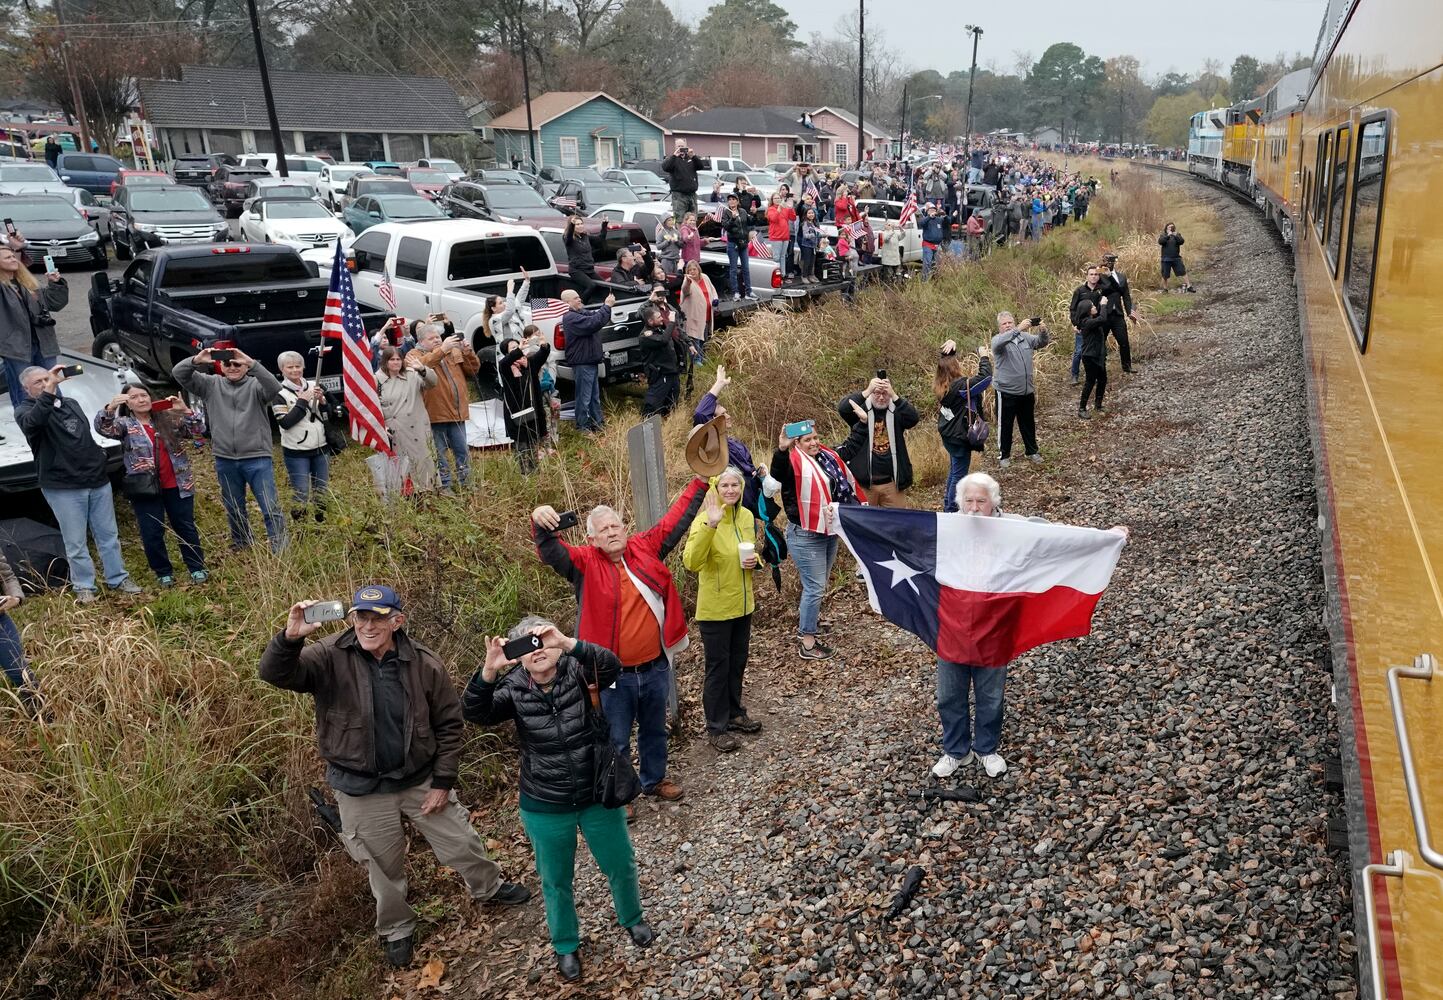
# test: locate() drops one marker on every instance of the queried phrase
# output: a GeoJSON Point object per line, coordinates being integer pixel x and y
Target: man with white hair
{"type": "Point", "coordinates": [628, 603]}
{"type": "Point", "coordinates": [1013, 378]}
{"type": "Point", "coordinates": [581, 329]}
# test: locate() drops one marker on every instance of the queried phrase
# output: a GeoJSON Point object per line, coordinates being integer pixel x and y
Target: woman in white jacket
{"type": "Point", "coordinates": [508, 318]}
{"type": "Point", "coordinates": [300, 412]}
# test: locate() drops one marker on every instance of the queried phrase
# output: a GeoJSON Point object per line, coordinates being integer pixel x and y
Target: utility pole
{"type": "Point", "coordinates": [902, 132]}
{"type": "Point", "coordinates": [861, 90]}
{"type": "Point", "coordinates": [976, 33]}
{"type": "Point", "coordinates": [526, 93]}
{"type": "Point", "coordinates": [75, 98]}
{"type": "Point", "coordinates": [266, 88]}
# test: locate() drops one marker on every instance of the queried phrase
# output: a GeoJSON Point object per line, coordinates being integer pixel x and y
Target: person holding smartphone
{"type": "Point", "coordinates": [882, 466]}
{"type": "Point", "coordinates": [551, 700]}
{"type": "Point", "coordinates": [1013, 375]}
{"type": "Point", "coordinates": [389, 726]}
{"type": "Point", "coordinates": [27, 331]}
{"type": "Point", "coordinates": [158, 478]}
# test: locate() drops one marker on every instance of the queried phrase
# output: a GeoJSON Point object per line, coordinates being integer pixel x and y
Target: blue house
{"type": "Point", "coordinates": [577, 128]}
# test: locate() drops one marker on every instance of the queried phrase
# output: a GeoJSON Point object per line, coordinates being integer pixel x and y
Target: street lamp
{"type": "Point", "coordinates": [976, 33]}
{"type": "Point", "coordinates": [925, 97]}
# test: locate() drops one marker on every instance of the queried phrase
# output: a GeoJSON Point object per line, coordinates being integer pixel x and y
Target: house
{"type": "Point", "coordinates": [843, 124]}
{"type": "Point", "coordinates": [1047, 136]}
{"type": "Point", "coordinates": [347, 116]}
{"type": "Point", "coordinates": [757, 135]}
{"type": "Point", "coordinates": [576, 128]}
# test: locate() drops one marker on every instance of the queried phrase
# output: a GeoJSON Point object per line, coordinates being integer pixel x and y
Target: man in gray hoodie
{"type": "Point", "coordinates": [237, 409]}
{"type": "Point", "coordinates": [1012, 376]}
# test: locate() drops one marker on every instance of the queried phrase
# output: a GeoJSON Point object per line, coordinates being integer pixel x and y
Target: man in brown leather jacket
{"type": "Point", "coordinates": [388, 723]}
{"type": "Point", "coordinates": [448, 402]}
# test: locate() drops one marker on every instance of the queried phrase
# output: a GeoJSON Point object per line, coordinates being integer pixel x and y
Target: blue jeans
{"type": "Point", "coordinates": [309, 473]}
{"type": "Point", "coordinates": [1076, 353]}
{"type": "Point", "coordinates": [588, 397]}
{"type": "Point", "coordinates": [235, 474]}
{"type": "Point", "coordinates": [83, 512]}
{"type": "Point", "coordinates": [961, 462]}
{"type": "Point", "coordinates": [959, 735]}
{"type": "Point", "coordinates": [929, 256]}
{"type": "Point", "coordinates": [779, 254]}
{"type": "Point", "coordinates": [739, 272]}
{"type": "Point", "coordinates": [150, 516]}
{"type": "Point", "coordinates": [814, 554]}
{"type": "Point", "coordinates": [1037, 221]}
{"type": "Point", "coordinates": [14, 366]}
{"type": "Point", "coordinates": [452, 435]}
{"type": "Point", "coordinates": [640, 697]}
{"type": "Point", "coordinates": [12, 655]}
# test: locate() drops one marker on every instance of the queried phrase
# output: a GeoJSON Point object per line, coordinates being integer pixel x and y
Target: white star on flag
{"type": "Point", "coordinates": [901, 572]}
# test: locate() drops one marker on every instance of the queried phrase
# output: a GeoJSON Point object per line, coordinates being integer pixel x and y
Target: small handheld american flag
{"type": "Point", "coordinates": [342, 321]}
{"type": "Point", "coordinates": [854, 229]}
{"type": "Point", "coordinates": [757, 248]}
{"type": "Point", "coordinates": [386, 290]}
{"type": "Point", "coordinates": [545, 310]}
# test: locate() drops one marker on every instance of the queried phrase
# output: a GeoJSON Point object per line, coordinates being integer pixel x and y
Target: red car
{"type": "Point", "coordinates": [428, 181]}
{"type": "Point", "coordinates": [137, 178]}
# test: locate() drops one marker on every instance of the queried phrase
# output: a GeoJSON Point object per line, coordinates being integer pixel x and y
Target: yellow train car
{"type": "Point", "coordinates": [1241, 135]}
{"type": "Point", "coordinates": [1278, 171]}
{"type": "Point", "coordinates": [1371, 180]}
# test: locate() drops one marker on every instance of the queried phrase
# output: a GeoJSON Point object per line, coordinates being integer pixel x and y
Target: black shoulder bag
{"type": "Point", "coordinates": [614, 782]}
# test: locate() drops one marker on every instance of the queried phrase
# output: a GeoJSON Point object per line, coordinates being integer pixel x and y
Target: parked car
{"type": "Point", "coordinates": [502, 175]}
{"type": "Point", "coordinates": [228, 187]}
{"type": "Point", "coordinates": [645, 184]}
{"type": "Point", "coordinates": [548, 179]}
{"type": "Point", "coordinates": [765, 183]}
{"type": "Point", "coordinates": [429, 182]}
{"type": "Point", "coordinates": [150, 217]}
{"type": "Point", "coordinates": [53, 226]}
{"type": "Point", "coordinates": [496, 202]}
{"type": "Point", "coordinates": [880, 212]}
{"type": "Point", "coordinates": [580, 197]}
{"type": "Point", "coordinates": [332, 180]}
{"type": "Point", "coordinates": [731, 164]}
{"type": "Point", "coordinates": [373, 209]}
{"type": "Point", "coordinates": [296, 164]}
{"type": "Point", "coordinates": [278, 187]}
{"type": "Point", "coordinates": [93, 171]}
{"type": "Point", "coordinates": [198, 169]}
{"type": "Point", "coordinates": [93, 210]}
{"type": "Point", "coordinates": [30, 178]}
{"type": "Point", "coordinates": [778, 167]}
{"type": "Point", "coordinates": [383, 167]}
{"type": "Point", "coordinates": [294, 222]}
{"type": "Point", "coordinates": [172, 302]}
{"type": "Point", "coordinates": [451, 168]}
{"type": "Point", "coordinates": [141, 178]}
{"type": "Point", "coordinates": [373, 183]}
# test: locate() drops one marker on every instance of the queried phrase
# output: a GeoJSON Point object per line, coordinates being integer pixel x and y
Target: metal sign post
{"type": "Point", "coordinates": [648, 472]}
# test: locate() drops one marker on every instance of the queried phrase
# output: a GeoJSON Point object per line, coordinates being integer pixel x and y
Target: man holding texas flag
{"type": "Point", "coordinates": [980, 588]}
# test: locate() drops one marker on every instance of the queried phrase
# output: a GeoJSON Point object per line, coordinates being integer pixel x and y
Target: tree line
{"type": "Point", "coordinates": [741, 52]}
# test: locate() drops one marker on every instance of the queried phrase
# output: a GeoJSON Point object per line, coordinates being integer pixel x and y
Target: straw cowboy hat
{"type": "Point", "coordinates": [706, 448]}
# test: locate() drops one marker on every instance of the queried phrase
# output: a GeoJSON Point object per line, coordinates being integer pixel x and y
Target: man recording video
{"type": "Point", "coordinates": [681, 169]}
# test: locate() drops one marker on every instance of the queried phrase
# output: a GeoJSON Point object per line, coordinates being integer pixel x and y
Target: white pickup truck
{"type": "Point", "coordinates": [881, 212]}
{"type": "Point", "coordinates": [454, 266]}
{"type": "Point", "coordinates": [92, 389]}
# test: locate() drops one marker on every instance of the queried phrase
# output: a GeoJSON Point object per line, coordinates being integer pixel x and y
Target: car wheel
{"type": "Point", "coordinates": [106, 347]}
{"type": "Point", "coordinates": [122, 250]}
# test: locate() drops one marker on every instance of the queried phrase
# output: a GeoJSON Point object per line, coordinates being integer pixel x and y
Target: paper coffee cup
{"type": "Point", "coordinates": [745, 550]}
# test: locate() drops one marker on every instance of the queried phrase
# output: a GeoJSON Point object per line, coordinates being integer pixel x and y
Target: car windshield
{"type": "Point", "coordinates": [286, 191]}
{"type": "Point", "coordinates": [386, 168]}
{"type": "Point", "coordinates": [383, 184]}
{"type": "Point", "coordinates": [247, 173]}
{"type": "Point", "coordinates": [192, 159]}
{"type": "Point", "coordinates": [643, 177]}
{"type": "Point", "coordinates": [760, 177]}
{"type": "Point", "coordinates": [295, 210]}
{"type": "Point", "coordinates": [505, 177]}
{"type": "Point", "coordinates": [35, 173]}
{"type": "Point", "coordinates": [580, 174]}
{"type": "Point", "coordinates": [172, 199]}
{"type": "Point", "coordinates": [449, 166]}
{"type": "Point", "coordinates": [345, 173]}
{"type": "Point", "coordinates": [424, 176]}
{"type": "Point", "coordinates": [408, 207]}
{"type": "Point", "coordinates": [40, 210]}
{"type": "Point", "coordinates": [609, 192]}
{"type": "Point", "coordinates": [147, 180]}
{"type": "Point", "coordinates": [514, 196]}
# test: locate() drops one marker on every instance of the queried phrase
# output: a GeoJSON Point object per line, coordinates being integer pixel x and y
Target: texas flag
{"type": "Point", "coordinates": [980, 590]}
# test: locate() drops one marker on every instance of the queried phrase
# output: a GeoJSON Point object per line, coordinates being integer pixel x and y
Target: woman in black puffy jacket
{"type": "Point", "coordinates": [549, 700]}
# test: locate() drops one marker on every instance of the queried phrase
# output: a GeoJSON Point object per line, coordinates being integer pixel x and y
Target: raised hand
{"type": "Point", "coordinates": [296, 625]}
{"type": "Point", "coordinates": [713, 509]}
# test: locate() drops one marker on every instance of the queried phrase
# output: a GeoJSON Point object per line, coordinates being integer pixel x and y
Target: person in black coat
{"type": "Point", "coordinates": [523, 410]}
{"type": "Point", "coordinates": [884, 469]}
{"type": "Point", "coordinates": [681, 169]}
{"type": "Point", "coordinates": [552, 699]}
{"type": "Point", "coordinates": [1114, 285]}
{"type": "Point", "coordinates": [662, 355]}
{"type": "Point", "coordinates": [27, 330]}
{"type": "Point", "coordinates": [1092, 321]}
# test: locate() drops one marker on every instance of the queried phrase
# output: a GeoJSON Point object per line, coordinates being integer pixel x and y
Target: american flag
{"type": "Point", "coordinates": [544, 310]}
{"type": "Point", "coordinates": [909, 209]}
{"type": "Point", "coordinates": [342, 321]}
{"type": "Point", "coordinates": [757, 248]}
{"type": "Point", "coordinates": [854, 229]}
{"type": "Point", "coordinates": [386, 290]}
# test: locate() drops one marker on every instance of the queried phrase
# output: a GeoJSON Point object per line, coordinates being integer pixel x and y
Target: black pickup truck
{"type": "Point", "coordinates": [174, 301]}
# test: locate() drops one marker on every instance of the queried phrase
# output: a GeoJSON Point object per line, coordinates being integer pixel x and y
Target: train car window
{"type": "Point", "coordinates": [1320, 186]}
{"type": "Point", "coordinates": [1370, 172]}
{"type": "Point", "coordinates": [1337, 194]}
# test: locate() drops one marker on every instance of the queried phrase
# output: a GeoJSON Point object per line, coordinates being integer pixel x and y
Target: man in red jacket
{"type": "Point", "coordinates": [627, 602]}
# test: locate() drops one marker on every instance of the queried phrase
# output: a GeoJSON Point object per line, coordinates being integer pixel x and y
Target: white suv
{"type": "Point", "coordinates": [332, 180]}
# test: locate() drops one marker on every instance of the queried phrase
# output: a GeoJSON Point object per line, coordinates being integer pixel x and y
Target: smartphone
{"type": "Point", "coordinates": [568, 520]}
{"type": "Point", "coordinates": [71, 371]}
{"type": "Point", "coordinates": [517, 648]}
{"type": "Point", "coordinates": [222, 354]}
{"type": "Point", "coordinates": [49, 264]}
{"type": "Point", "coordinates": [799, 429]}
{"type": "Point", "coordinates": [10, 227]}
{"type": "Point", "coordinates": [325, 611]}
{"type": "Point", "coordinates": [161, 405]}
{"type": "Point", "coordinates": [882, 374]}
{"type": "Point", "coordinates": [1035, 321]}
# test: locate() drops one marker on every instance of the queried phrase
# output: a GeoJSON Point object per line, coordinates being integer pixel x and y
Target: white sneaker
{"type": "Point", "coordinates": [994, 765]}
{"type": "Point", "coordinates": [1035, 458]}
{"type": "Point", "coordinates": [1005, 462]}
{"type": "Point", "coordinates": [947, 765]}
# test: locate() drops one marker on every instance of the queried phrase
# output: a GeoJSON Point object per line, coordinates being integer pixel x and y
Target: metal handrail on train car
{"type": "Point", "coordinates": [1394, 866]}
{"type": "Point", "coordinates": [1422, 669]}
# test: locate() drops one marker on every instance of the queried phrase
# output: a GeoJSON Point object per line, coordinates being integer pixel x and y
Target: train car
{"type": "Point", "coordinates": [1205, 143]}
{"type": "Point", "coordinates": [1369, 134]}
{"type": "Point", "coordinates": [1241, 135]}
{"type": "Point", "coordinates": [1277, 174]}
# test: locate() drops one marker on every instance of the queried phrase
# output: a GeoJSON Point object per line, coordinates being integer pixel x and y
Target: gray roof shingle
{"type": "Point", "coordinates": [743, 121]}
{"type": "Point", "coordinates": [231, 97]}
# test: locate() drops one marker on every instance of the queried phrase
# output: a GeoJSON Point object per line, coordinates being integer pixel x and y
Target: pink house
{"type": "Point", "coordinates": [766, 134]}
{"type": "Point", "coordinates": [843, 125]}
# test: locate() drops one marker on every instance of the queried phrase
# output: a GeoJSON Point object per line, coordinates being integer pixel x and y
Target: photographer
{"type": "Point", "coordinates": [1013, 375]}
{"type": "Point", "coordinates": [1171, 242]}
{"type": "Point", "coordinates": [71, 469]}
{"type": "Point", "coordinates": [388, 724]}
{"type": "Point", "coordinates": [448, 400]}
{"type": "Point", "coordinates": [519, 365]}
{"type": "Point", "coordinates": [549, 700]}
{"type": "Point", "coordinates": [681, 170]}
{"type": "Point", "coordinates": [662, 355]}
{"type": "Point", "coordinates": [237, 409]}
{"type": "Point", "coordinates": [27, 332]}
{"type": "Point", "coordinates": [300, 413]}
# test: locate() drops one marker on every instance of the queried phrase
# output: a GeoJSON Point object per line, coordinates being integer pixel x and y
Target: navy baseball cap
{"type": "Point", "coordinates": [378, 598]}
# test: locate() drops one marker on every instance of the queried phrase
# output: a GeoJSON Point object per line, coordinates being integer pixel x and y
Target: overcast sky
{"type": "Point", "coordinates": [1163, 35]}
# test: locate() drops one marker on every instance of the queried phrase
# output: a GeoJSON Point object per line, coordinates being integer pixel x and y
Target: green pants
{"type": "Point", "coordinates": [553, 838]}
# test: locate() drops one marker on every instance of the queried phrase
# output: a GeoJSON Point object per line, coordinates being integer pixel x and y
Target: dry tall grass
{"type": "Point", "coordinates": [171, 763]}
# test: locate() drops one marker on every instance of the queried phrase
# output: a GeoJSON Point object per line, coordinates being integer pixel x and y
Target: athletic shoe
{"type": "Point", "coordinates": [947, 765]}
{"type": "Point", "coordinates": [130, 587]}
{"type": "Point", "coordinates": [994, 765]}
{"type": "Point", "coordinates": [1035, 458]}
{"type": "Point", "coordinates": [166, 581]}
{"type": "Point", "coordinates": [744, 724]}
{"type": "Point", "coordinates": [509, 894]}
{"type": "Point", "coordinates": [724, 742]}
{"type": "Point", "coordinates": [817, 651]}
{"type": "Point", "coordinates": [1005, 462]}
{"type": "Point", "coordinates": [1082, 414]}
{"type": "Point", "coordinates": [85, 596]}
{"type": "Point", "coordinates": [200, 576]}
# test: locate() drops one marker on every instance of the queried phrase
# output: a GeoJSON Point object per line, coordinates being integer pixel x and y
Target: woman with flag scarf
{"type": "Point", "coordinates": [813, 477]}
